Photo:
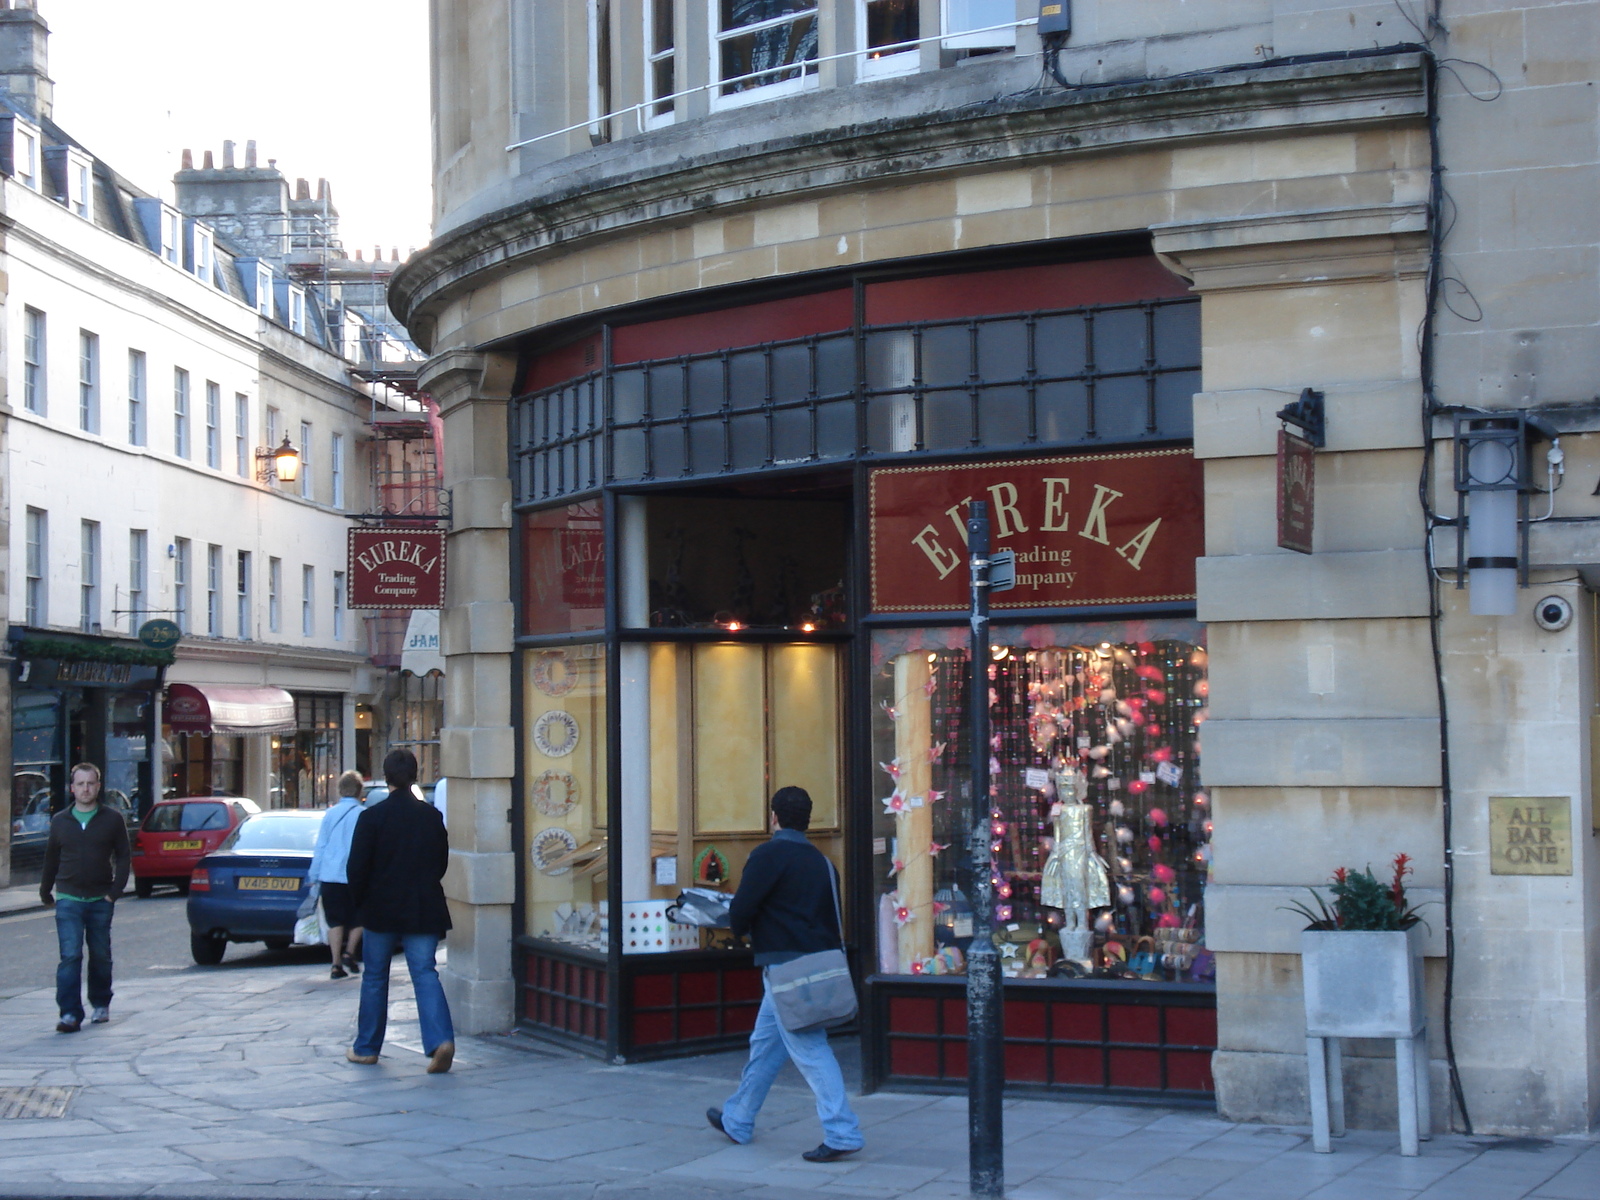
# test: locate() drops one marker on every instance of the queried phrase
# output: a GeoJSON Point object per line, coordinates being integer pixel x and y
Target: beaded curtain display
{"type": "Point", "coordinates": [1114, 722]}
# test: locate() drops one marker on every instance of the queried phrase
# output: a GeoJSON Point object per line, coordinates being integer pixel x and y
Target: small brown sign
{"type": "Point", "coordinates": [396, 568]}
{"type": "Point", "coordinates": [1297, 479]}
{"type": "Point", "coordinates": [1530, 835]}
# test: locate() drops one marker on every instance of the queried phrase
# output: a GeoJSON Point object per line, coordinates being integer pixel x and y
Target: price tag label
{"type": "Point", "coordinates": [880, 845]}
{"type": "Point", "coordinates": [1170, 774]}
{"type": "Point", "coordinates": [962, 927]}
{"type": "Point", "coordinates": [667, 870]}
{"type": "Point", "coordinates": [1036, 778]}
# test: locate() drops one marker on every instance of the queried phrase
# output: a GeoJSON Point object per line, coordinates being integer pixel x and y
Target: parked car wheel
{"type": "Point", "coordinates": [207, 950]}
{"type": "Point", "coordinates": [143, 887]}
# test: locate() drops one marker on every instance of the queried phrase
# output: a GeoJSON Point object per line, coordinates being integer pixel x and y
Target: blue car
{"type": "Point", "coordinates": [248, 889]}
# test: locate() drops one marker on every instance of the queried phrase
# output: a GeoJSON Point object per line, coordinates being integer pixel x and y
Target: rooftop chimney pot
{"type": "Point", "coordinates": [250, 153]}
{"type": "Point", "coordinates": [210, 163]}
{"type": "Point", "coordinates": [302, 189]}
{"type": "Point", "coordinates": [188, 160]}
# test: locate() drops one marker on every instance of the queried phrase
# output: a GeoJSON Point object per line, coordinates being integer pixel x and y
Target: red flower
{"type": "Point", "coordinates": [1340, 874]}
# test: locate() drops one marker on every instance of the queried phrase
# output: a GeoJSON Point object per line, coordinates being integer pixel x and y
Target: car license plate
{"type": "Point", "coordinates": [263, 883]}
{"type": "Point", "coordinates": [196, 844]}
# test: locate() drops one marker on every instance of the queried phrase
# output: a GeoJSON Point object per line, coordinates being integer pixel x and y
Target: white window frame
{"type": "Point", "coordinates": [88, 381]}
{"type": "Point", "coordinates": [272, 428]}
{"type": "Point", "coordinates": [88, 576]}
{"type": "Point", "coordinates": [653, 57]}
{"type": "Point", "coordinates": [202, 252]}
{"type": "Point", "coordinates": [171, 240]}
{"type": "Point", "coordinates": [297, 310]}
{"type": "Point", "coordinates": [757, 93]}
{"type": "Point", "coordinates": [241, 434]}
{"type": "Point", "coordinates": [213, 425]}
{"type": "Point", "coordinates": [338, 606]}
{"type": "Point", "coordinates": [305, 460]}
{"type": "Point", "coordinates": [25, 145]}
{"type": "Point", "coordinates": [264, 290]}
{"type": "Point", "coordinates": [242, 582]}
{"type": "Point", "coordinates": [79, 169]}
{"type": "Point", "coordinates": [308, 600]}
{"type": "Point", "coordinates": [884, 66]}
{"type": "Point", "coordinates": [336, 469]}
{"type": "Point", "coordinates": [274, 594]}
{"type": "Point", "coordinates": [138, 576]}
{"type": "Point", "coordinates": [214, 590]}
{"type": "Point", "coordinates": [180, 412]}
{"type": "Point", "coordinates": [181, 564]}
{"type": "Point", "coordinates": [35, 357]}
{"type": "Point", "coordinates": [995, 39]}
{"type": "Point", "coordinates": [36, 596]}
{"type": "Point", "coordinates": [138, 398]}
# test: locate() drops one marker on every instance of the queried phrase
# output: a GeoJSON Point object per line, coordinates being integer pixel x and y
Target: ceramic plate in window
{"type": "Point", "coordinates": [549, 848]}
{"type": "Point", "coordinates": [555, 733]}
{"type": "Point", "coordinates": [555, 793]}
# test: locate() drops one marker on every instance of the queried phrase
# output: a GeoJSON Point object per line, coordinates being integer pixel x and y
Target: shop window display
{"type": "Point", "coordinates": [1100, 824]}
{"type": "Point", "coordinates": [564, 794]}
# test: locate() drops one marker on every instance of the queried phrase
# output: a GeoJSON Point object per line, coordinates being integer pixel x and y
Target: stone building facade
{"type": "Point", "coordinates": [1350, 206]}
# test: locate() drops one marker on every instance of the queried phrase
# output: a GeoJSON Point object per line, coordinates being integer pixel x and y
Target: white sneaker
{"type": "Point", "coordinates": [100, 1016]}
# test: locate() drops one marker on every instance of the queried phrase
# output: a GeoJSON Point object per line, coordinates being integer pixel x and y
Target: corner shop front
{"type": "Point", "coordinates": [739, 566]}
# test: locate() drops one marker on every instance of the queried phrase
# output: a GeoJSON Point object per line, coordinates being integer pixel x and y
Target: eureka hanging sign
{"type": "Point", "coordinates": [1088, 529]}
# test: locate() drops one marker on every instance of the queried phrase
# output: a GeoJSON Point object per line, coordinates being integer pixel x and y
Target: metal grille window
{"type": "Point", "coordinates": [558, 440]}
{"type": "Point", "coordinates": [1074, 377]}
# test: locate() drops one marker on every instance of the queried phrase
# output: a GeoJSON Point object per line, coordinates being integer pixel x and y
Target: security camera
{"type": "Point", "coordinates": [1553, 613]}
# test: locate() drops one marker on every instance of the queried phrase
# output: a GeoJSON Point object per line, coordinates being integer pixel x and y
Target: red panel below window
{"type": "Point", "coordinates": [1135, 1068]}
{"type": "Point", "coordinates": [1191, 1027]}
{"type": "Point", "coordinates": [1025, 1063]}
{"type": "Point", "coordinates": [741, 985]}
{"type": "Point", "coordinates": [697, 987]}
{"type": "Point", "coordinates": [955, 1060]}
{"type": "Point", "coordinates": [1021, 289]}
{"type": "Point", "coordinates": [728, 328]}
{"type": "Point", "coordinates": [1082, 1065]}
{"type": "Point", "coordinates": [955, 1018]}
{"type": "Point", "coordinates": [1076, 1023]}
{"type": "Point", "coordinates": [1189, 1070]}
{"type": "Point", "coordinates": [913, 1016]}
{"type": "Point", "coordinates": [1134, 1023]}
{"type": "Point", "coordinates": [652, 991]}
{"type": "Point", "coordinates": [740, 1019]}
{"type": "Point", "coordinates": [652, 1028]}
{"type": "Point", "coordinates": [1024, 1019]}
{"type": "Point", "coordinates": [697, 1023]}
{"type": "Point", "coordinates": [914, 1057]}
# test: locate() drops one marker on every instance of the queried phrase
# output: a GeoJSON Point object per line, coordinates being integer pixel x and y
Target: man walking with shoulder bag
{"type": "Point", "coordinates": [788, 904]}
{"type": "Point", "coordinates": [86, 865]}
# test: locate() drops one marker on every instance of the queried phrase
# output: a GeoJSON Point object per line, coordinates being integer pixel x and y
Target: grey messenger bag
{"type": "Point", "coordinates": [814, 991]}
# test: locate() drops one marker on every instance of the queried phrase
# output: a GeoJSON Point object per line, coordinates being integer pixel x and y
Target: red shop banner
{"type": "Point", "coordinates": [396, 568]}
{"type": "Point", "coordinates": [1089, 529]}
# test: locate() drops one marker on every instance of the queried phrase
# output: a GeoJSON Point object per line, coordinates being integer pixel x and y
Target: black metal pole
{"type": "Point", "coordinates": [985, 1067]}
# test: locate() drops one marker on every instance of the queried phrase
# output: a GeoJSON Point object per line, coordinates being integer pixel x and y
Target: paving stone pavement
{"type": "Point", "coordinates": [231, 1082]}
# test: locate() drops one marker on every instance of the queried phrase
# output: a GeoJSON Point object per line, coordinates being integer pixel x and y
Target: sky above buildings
{"type": "Point", "coordinates": [329, 88]}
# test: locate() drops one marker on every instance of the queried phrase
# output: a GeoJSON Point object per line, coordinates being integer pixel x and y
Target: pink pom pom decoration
{"type": "Point", "coordinates": [1158, 816]}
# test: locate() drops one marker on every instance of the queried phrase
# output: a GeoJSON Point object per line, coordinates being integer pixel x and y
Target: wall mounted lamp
{"type": "Point", "coordinates": [281, 464]}
{"type": "Point", "coordinates": [1493, 482]}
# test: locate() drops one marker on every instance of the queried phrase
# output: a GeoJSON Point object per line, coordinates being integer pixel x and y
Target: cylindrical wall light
{"type": "Point", "coordinates": [1491, 475]}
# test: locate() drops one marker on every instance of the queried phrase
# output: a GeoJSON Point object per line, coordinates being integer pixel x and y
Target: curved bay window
{"type": "Point", "coordinates": [741, 567]}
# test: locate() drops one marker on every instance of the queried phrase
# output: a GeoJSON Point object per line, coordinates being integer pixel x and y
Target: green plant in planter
{"type": "Point", "coordinates": [1361, 901]}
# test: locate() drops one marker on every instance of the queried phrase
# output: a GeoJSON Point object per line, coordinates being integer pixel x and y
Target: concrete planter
{"type": "Point", "coordinates": [1363, 984]}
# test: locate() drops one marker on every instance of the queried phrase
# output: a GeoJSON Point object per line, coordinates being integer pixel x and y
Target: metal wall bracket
{"type": "Point", "coordinates": [1308, 415]}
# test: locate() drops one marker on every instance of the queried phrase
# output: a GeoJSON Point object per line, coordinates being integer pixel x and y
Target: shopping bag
{"type": "Point", "coordinates": [310, 930]}
{"type": "Point", "coordinates": [705, 907]}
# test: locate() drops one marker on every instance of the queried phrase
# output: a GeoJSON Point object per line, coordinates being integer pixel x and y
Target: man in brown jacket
{"type": "Point", "coordinates": [86, 867]}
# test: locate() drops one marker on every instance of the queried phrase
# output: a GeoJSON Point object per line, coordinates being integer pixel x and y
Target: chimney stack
{"type": "Point", "coordinates": [188, 160]}
{"type": "Point", "coordinates": [250, 153]}
{"type": "Point", "coordinates": [227, 156]}
{"type": "Point", "coordinates": [302, 190]}
{"type": "Point", "coordinates": [25, 59]}
{"type": "Point", "coordinates": [358, 256]}
{"type": "Point", "coordinates": [323, 191]}
{"type": "Point", "coordinates": [210, 163]}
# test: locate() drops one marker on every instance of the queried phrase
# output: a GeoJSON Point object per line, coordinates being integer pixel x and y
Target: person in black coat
{"type": "Point", "coordinates": [398, 856]}
{"type": "Point", "coordinates": [788, 906]}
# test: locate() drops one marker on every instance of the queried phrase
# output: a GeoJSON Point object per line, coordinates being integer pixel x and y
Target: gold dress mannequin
{"type": "Point", "coordinates": [1076, 879]}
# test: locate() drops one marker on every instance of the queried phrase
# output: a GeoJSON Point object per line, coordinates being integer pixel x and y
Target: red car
{"type": "Point", "coordinates": [176, 834]}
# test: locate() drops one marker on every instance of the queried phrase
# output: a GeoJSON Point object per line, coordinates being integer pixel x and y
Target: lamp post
{"type": "Point", "coordinates": [1492, 485]}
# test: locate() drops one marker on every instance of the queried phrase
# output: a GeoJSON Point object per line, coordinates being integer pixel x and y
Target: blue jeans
{"type": "Point", "coordinates": [77, 922]}
{"type": "Point", "coordinates": [377, 950]}
{"type": "Point", "coordinates": [771, 1045]}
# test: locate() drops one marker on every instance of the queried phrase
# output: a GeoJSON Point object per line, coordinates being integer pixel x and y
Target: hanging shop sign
{"type": "Point", "coordinates": [396, 568]}
{"type": "Point", "coordinates": [160, 634]}
{"type": "Point", "coordinates": [1089, 529]}
{"type": "Point", "coordinates": [1297, 478]}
